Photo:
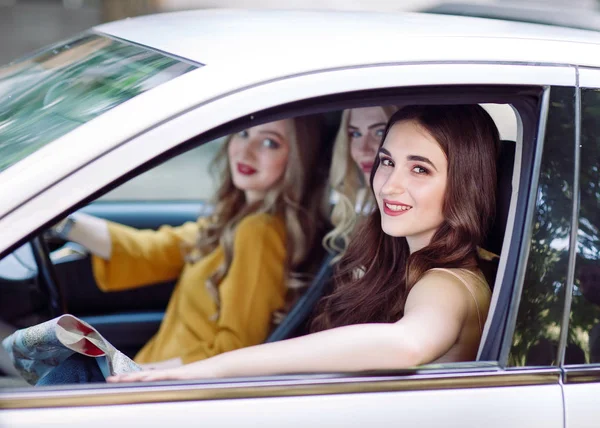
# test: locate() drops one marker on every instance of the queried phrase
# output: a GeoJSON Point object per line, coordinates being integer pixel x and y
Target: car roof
{"type": "Point", "coordinates": [584, 19]}
{"type": "Point", "coordinates": [320, 39]}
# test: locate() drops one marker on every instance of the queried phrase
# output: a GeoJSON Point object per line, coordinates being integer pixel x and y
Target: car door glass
{"type": "Point", "coordinates": [584, 326]}
{"type": "Point", "coordinates": [187, 177]}
{"type": "Point", "coordinates": [93, 72]}
{"type": "Point", "coordinates": [537, 330]}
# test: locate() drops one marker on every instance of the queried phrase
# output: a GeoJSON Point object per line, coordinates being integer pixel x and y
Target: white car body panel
{"type": "Point", "coordinates": [589, 78]}
{"type": "Point", "coordinates": [244, 39]}
{"type": "Point", "coordinates": [539, 406]}
{"type": "Point", "coordinates": [33, 204]}
{"type": "Point", "coordinates": [581, 405]}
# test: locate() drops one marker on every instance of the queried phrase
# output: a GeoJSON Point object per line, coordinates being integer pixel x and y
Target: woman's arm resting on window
{"type": "Point", "coordinates": [436, 310]}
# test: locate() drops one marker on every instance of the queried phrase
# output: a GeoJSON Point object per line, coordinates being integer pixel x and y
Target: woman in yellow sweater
{"type": "Point", "coordinates": [235, 269]}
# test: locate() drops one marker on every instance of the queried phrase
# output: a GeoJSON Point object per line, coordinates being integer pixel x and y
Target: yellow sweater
{"type": "Point", "coordinates": [252, 290]}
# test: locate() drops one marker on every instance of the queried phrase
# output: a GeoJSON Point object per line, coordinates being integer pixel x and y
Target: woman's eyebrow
{"type": "Point", "coordinates": [275, 133]}
{"type": "Point", "coordinates": [377, 125]}
{"type": "Point", "coordinates": [385, 151]}
{"type": "Point", "coordinates": [420, 159]}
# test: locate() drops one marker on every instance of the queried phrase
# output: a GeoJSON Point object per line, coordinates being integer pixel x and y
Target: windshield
{"type": "Point", "coordinates": [45, 96]}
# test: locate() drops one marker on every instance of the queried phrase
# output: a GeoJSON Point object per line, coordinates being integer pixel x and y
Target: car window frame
{"type": "Point", "coordinates": [589, 373]}
{"type": "Point", "coordinates": [326, 102]}
{"type": "Point", "coordinates": [472, 370]}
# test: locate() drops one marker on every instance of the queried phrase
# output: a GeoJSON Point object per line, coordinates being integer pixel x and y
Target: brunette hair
{"type": "Point", "coordinates": [377, 272]}
{"type": "Point", "coordinates": [296, 198]}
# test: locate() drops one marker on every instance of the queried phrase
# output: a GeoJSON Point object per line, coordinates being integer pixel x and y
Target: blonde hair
{"type": "Point", "coordinates": [303, 216]}
{"type": "Point", "coordinates": [346, 180]}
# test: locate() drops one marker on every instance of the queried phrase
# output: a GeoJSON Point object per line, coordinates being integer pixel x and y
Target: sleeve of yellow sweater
{"type": "Point", "coordinates": [252, 290]}
{"type": "Point", "coordinates": [143, 257]}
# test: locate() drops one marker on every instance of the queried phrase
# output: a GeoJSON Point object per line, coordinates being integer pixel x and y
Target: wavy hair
{"type": "Point", "coordinates": [346, 179]}
{"type": "Point", "coordinates": [375, 275]}
{"type": "Point", "coordinates": [298, 198]}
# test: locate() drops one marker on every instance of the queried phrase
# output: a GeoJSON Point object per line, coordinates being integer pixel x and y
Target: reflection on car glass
{"type": "Point", "coordinates": [19, 265]}
{"type": "Point", "coordinates": [584, 326]}
{"type": "Point", "coordinates": [44, 97]}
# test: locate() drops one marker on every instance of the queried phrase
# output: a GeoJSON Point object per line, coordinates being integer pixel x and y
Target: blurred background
{"type": "Point", "coordinates": [27, 25]}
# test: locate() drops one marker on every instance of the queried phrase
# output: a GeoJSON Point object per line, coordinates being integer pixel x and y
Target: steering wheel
{"type": "Point", "coordinates": [47, 276]}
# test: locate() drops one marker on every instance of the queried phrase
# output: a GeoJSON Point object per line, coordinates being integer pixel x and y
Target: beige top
{"type": "Point", "coordinates": [467, 344]}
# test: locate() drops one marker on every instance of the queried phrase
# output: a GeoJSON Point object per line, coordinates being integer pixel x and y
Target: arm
{"type": "Point", "coordinates": [91, 232]}
{"type": "Point", "coordinates": [252, 290]}
{"type": "Point", "coordinates": [435, 312]}
{"type": "Point", "coordinates": [142, 257]}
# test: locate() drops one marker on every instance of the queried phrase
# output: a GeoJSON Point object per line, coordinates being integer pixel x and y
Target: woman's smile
{"type": "Point", "coordinates": [393, 208]}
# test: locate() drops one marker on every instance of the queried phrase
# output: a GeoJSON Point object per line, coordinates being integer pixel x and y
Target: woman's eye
{"type": "Point", "coordinates": [354, 134]}
{"type": "Point", "coordinates": [379, 132]}
{"type": "Point", "coordinates": [386, 162]}
{"type": "Point", "coordinates": [420, 170]}
{"type": "Point", "coordinates": [243, 134]}
{"type": "Point", "coordinates": [271, 144]}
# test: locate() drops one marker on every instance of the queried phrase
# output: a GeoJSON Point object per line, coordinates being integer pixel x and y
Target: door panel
{"type": "Point", "coordinates": [518, 406]}
{"type": "Point", "coordinates": [581, 404]}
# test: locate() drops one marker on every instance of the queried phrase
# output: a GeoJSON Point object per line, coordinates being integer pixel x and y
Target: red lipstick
{"type": "Point", "coordinates": [391, 212]}
{"type": "Point", "coordinates": [366, 166]}
{"type": "Point", "coordinates": [245, 169]}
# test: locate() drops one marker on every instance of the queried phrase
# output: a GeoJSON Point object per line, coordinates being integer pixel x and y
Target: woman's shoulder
{"type": "Point", "coordinates": [260, 223]}
{"type": "Point", "coordinates": [472, 280]}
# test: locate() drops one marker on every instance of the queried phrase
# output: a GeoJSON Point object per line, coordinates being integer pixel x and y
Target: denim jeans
{"type": "Point", "coordinates": [75, 369]}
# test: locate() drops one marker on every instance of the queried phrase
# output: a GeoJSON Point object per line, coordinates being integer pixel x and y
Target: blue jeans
{"type": "Point", "coordinates": [75, 369]}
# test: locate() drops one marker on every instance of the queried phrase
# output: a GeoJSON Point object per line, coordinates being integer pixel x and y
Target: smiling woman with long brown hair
{"type": "Point", "coordinates": [408, 290]}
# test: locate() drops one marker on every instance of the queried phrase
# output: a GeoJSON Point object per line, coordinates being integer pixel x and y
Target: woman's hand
{"type": "Point", "coordinates": [87, 230]}
{"type": "Point", "coordinates": [162, 365]}
{"type": "Point", "coordinates": [198, 370]}
{"type": "Point", "coordinates": [151, 375]}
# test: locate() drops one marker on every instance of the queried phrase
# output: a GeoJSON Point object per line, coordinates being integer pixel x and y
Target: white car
{"type": "Point", "coordinates": [86, 116]}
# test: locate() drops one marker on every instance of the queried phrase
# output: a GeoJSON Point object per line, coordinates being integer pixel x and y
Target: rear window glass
{"type": "Point", "coordinates": [45, 96]}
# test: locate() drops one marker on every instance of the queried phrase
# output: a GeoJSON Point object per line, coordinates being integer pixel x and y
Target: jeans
{"type": "Point", "coordinates": [75, 369]}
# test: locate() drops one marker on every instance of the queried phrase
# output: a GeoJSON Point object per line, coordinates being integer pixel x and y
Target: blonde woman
{"type": "Point", "coordinates": [354, 151]}
{"type": "Point", "coordinates": [235, 269]}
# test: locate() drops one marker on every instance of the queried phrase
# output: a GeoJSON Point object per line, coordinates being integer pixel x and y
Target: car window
{"type": "Point", "coordinates": [93, 72]}
{"type": "Point", "coordinates": [538, 324]}
{"type": "Point", "coordinates": [584, 327]}
{"type": "Point", "coordinates": [188, 176]}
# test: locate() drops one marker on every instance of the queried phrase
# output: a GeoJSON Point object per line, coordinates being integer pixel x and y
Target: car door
{"type": "Point", "coordinates": [516, 394]}
{"type": "Point", "coordinates": [582, 377]}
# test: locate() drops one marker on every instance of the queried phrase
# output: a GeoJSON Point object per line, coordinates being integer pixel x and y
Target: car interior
{"type": "Point", "coordinates": [45, 277]}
